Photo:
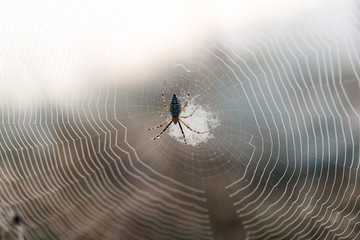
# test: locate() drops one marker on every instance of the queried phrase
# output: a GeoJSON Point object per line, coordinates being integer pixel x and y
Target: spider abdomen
{"type": "Point", "coordinates": [175, 107]}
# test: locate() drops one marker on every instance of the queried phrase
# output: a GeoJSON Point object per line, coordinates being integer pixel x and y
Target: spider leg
{"type": "Point", "coordinates": [163, 97]}
{"type": "Point", "coordinates": [189, 115]}
{"type": "Point", "coordinates": [188, 96]}
{"type": "Point", "coordinates": [158, 136]}
{"type": "Point", "coordinates": [190, 127]}
{"type": "Point", "coordinates": [182, 133]}
{"type": "Point", "coordinates": [160, 125]}
{"type": "Point", "coordinates": [165, 116]}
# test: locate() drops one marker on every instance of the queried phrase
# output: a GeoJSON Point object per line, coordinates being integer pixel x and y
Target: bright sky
{"type": "Point", "coordinates": [51, 49]}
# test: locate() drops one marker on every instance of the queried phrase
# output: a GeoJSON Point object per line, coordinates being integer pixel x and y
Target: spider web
{"type": "Point", "coordinates": [279, 159]}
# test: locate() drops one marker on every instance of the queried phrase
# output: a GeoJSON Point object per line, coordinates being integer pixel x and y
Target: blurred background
{"type": "Point", "coordinates": [274, 84]}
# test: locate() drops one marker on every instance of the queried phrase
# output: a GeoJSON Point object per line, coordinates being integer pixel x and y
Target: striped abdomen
{"type": "Point", "coordinates": [175, 108]}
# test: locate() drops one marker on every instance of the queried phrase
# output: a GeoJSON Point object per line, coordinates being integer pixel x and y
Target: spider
{"type": "Point", "coordinates": [175, 111]}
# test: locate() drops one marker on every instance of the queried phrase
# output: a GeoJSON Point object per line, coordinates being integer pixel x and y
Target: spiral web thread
{"type": "Point", "coordinates": [281, 159]}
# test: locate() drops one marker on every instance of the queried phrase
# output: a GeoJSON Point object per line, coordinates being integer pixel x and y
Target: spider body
{"type": "Point", "coordinates": [175, 111]}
